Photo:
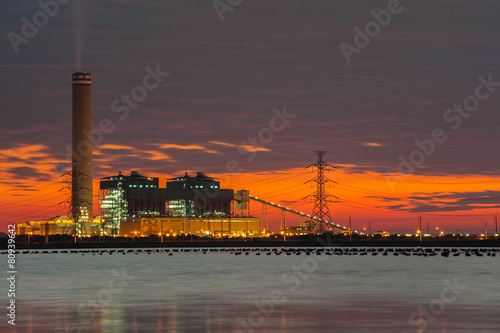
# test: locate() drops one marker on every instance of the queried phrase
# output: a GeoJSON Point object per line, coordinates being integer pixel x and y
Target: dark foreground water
{"type": "Point", "coordinates": [224, 292]}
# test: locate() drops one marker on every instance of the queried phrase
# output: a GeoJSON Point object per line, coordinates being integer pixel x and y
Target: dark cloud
{"type": "Point", "coordinates": [226, 78]}
{"type": "Point", "coordinates": [28, 173]}
{"type": "Point", "coordinates": [447, 202]}
{"type": "Point", "coordinates": [387, 199]}
{"type": "Point", "coordinates": [291, 202]}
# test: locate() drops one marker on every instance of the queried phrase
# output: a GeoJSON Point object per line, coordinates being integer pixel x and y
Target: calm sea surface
{"type": "Point", "coordinates": [224, 292]}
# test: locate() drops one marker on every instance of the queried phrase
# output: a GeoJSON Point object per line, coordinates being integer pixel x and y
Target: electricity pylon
{"type": "Point", "coordinates": [321, 196]}
{"type": "Point", "coordinates": [76, 201]}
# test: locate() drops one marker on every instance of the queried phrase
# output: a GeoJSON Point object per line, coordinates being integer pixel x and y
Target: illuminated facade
{"type": "Point", "coordinates": [202, 227]}
{"type": "Point", "coordinates": [382, 233]}
{"type": "Point", "coordinates": [113, 194]}
{"type": "Point", "coordinates": [59, 225]}
{"type": "Point", "coordinates": [299, 231]}
{"type": "Point", "coordinates": [199, 196]}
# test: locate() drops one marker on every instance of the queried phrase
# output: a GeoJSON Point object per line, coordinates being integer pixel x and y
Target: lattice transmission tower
{"type": "Point", "coordinates": [321, 197]}
{"type": "Point", "coordinates": [76, 203]}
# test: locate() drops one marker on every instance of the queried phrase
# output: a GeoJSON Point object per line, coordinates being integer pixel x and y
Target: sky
{"type": "Point", "coordinates": [404, 97]}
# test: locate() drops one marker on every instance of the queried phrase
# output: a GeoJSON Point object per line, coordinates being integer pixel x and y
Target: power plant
{"type": "Point", "coordinates": [197, 205]}
{"type": "Point", "coordinates": [122, 197]}
{"type": "Point", "coordinates": [137, 205]}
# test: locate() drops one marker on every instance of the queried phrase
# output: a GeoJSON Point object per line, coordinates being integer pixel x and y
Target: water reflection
{"type": "Point", "coordinates": [220, 293]}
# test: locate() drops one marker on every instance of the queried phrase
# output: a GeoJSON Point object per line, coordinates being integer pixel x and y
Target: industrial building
{"type": "Point", "coordinates": [59, 225]}
{"type": "Point", "coordinates": [199, 226]}
{"type": "Point", "coordinates": [117, 201]}
{"type": "Point", "coordinates": [199, 200]}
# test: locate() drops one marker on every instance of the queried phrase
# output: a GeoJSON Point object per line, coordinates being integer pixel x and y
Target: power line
{"type": "Point", "coordinates": [281, 190]}
{"type": "Point", "coordinates": [396, 176]}
{"type": "Point", "coordinates": [7, 204]}
{"type": "Point", "coordinates": [267, 180]}
{"type": "Point", "coordinates": [18, 217]}
{"type": "Point", "coordinates": [22, 189]}
{"type": "Point", "coordinates": [360, 190]}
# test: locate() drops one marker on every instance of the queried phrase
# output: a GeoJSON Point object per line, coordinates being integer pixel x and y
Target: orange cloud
{"type": "Point", "coordinates": [115, 147]}
{"type": "Point", "coordinates": [30, 189]}
{"type": "Point", "coordinates": [24, 152]}
{"type": "Point", "coordinates": [371, 197]}
{"type": "Point", "coordinates": [157, 156]}
{"type": "Point", "coordinates": [252, 149]}
{"type": "Point", "coordinates": [248, 148]}
{"type": "Point", "coordinates": [187, 147]}
{"type": "Point", "coordinates": [223, 143]}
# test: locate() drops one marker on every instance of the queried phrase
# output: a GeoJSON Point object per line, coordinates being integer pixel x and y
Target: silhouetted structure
{"type": "Point", "coordinates": [321, 197]}
{"type": "Point", "coordinates": [82, 188]}
{"type": "Point", "coordinates": [122, 197]}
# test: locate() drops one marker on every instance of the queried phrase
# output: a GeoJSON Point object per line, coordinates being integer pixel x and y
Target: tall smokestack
{"type": "Point", "coordinates": [82, 188]}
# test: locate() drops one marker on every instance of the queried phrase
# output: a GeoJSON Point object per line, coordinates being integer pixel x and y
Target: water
{"type": "Point", "coordinates": [222, 292]}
